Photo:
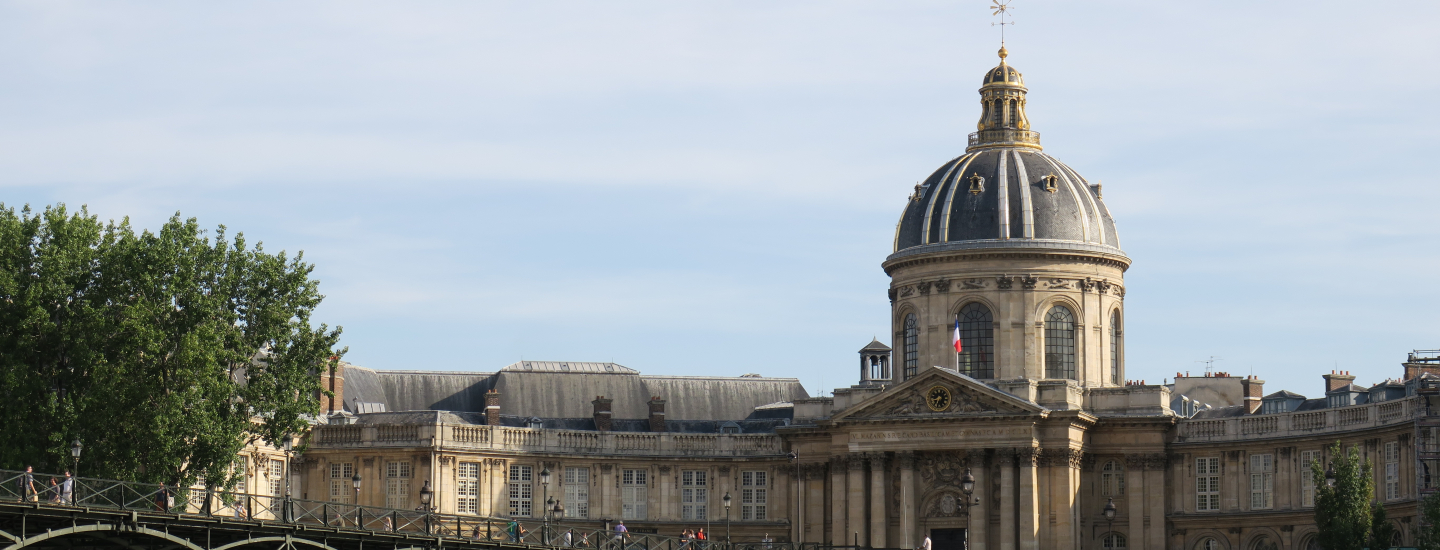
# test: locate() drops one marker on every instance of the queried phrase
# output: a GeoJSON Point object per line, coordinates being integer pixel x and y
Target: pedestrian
{"type": "Point", "coordinates": [162, 498]}
{"type": "Point", "coordinates": [67, 490]}
{"type": "Point", "coordinates": [925, 544]}
{"type": "Point", "coordinates": [27, 485]}
{"type": "Point", "coordinates": [621, 534]}
{"type": "Point", "coordinates": [569, 538]}
{"type": "Point", "coordinates": [513, 529]}
{"type": "Point", "coordinates": [767, 541]}
{"type": "Point", "coordinates": [475, 533]}
{"type": "Point", "coordinates": [388, 526]}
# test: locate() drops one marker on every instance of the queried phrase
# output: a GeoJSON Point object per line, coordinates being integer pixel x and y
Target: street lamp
{"type": "Point", "coordinates": [1330, 476]}
{"type": "Point", "coordinates": [967, 486]}
{"type": "Point", "coordinates": [545, 497]}
{"type": "Point", "coordinates": [75, 448]}
{"type": "Point", "coordinates": [356, 482]}
{"type": "Point", "coordinates": [1109, 513]}
{"type": "Point", "coordinates": [426, 495]}
{"type": "Point", "coordinates": [289, 445]}
{"type": "Point", "coordinates": [726, 501]}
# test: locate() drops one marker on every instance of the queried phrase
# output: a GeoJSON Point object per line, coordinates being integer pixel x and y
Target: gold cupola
{"type": "Point", "coordinates": [1002, 118]}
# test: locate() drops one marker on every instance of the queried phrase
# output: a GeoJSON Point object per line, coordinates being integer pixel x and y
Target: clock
{"type": "Point", "coordinates": [938, 398]}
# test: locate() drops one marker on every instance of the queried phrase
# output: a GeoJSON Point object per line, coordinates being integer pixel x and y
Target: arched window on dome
{"type": "Point", "coordinates": [1060, 343]}
{"type": "Point", "coordinates": [1115, 348]}
{"type": "Point", "coordinates": [1113, 541]}
{"type": "Point", "coordinates": [977, 341]}
{"type": "Point", "coordinates": [1112, 479]}
{"type": "Point", "coordinates": [912, 346]}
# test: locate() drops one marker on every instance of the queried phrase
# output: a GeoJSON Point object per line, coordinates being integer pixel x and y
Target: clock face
{"type": "Point", "coordinates": [938, 398]}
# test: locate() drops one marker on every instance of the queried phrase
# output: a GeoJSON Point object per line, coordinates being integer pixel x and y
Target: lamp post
{"type": "Point", "coordinates": [967, 486]}
{"type": "Point", "coordinates": [726, 501]}
{"type": "Point", "coordinates": [75, 448]}
{"type": "Point", "coordinates": [545, 526]}
{"type": "Point", "coordinates": [545, 497]}
{"type": "Point", "coordinates": [426, 496]}
{"type": "Point", "coordinates": [1109, 513]}
{"type": "Point", "coordinates": [289, 446]}
{"type": "Point", "coordinates": [799, 486]}
{"type": "Point", "coordinates": [1330, 476]}
{"type": "Point", "coordinates": [356, 482]}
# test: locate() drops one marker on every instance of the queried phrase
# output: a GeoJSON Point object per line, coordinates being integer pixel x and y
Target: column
{"type": "Point", "coordinates": [1135, 501]}
{"type": "Point", "coordinates": [797, 508]}
{"type": "Point", "coordinates": [1062, 496]}
{"type": "Point", "coordinates": [979, 513]}
{"type": "Point", "coordinates": [878, 519]}
{"type": "Point", "coordinates": [855, 523]}
{"type": "Point", "coordinates": [907, 499]}
{"type": "Point", "coordinates": [815, 503]}
{"type": "Point", "coordinates": [1155, 500]}
{"type": "Point", "coordinates": [1029, 521]}
{"type": "Point", "coordinates": [838, 496]}
{"type": "Point", "coordinates": [1005, 461]}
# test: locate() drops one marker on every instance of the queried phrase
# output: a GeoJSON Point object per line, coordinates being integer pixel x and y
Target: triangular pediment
{"type": "Point", "coordinates": [941, 393]}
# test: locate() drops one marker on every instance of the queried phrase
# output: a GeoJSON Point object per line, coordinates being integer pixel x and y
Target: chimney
{"type": "Point", "coordinates": [333, 380]}
{"type": "Point", "coordinates": [1337, 379]}
{"type": "Point", "coordinates": [492, 408]}
{"type": "Point", "coordinates": [657, 414]}
{"type": "Point", "coordinates": [602, 412]}
{"type": "Point", "coordinates": [1254, 389]}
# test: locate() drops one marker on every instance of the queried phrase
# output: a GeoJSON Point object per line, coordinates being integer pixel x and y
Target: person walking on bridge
{"type": "Point", "coordinates": [28, 493]}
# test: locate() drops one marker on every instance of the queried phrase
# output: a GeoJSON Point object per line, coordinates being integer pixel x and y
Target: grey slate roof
{"type": "Point", "coordinates": [1286, 394]}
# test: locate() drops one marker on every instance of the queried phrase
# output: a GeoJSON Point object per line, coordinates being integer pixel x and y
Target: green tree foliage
{"type": "Point", "coordinates": [1342, 512]}
{"type": "Point", "coordinates": [1428, 533]}
{"type": "Point", "coordinates": [1382, 532]}
{"type": "Point", "coordinates": [164, 353]}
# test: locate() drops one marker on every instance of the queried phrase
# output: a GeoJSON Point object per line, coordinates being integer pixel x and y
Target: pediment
{"type": "Point", "coordinates": [941, 393]}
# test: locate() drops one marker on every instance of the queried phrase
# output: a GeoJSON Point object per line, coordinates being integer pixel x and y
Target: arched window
{"type": "Point", "coordinates": [1113, 540]}
{"type": "Point", "coordinates": [1112, 479]}
{"type": "Point", "coordinates": [1115, 335]}
{"type": "Point", "coordinates": [1060, 343]}
{"type": "Point", "coordinates": [1209, 544]}
{"type": "Point", "coordinates": [1263, 542]}
{"type": "Point", "coordinates": [977, 340]}
{"type": "Point", "coordinates": [912, 346]}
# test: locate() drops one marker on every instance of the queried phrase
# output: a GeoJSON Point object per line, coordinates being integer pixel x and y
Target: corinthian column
{"type": "Point", "coordinates": [878, 520]}
{"type": "Point", "coordinates": [1005, 461]}
{"type": "Point", "coordinates": [1029, 509]}
{"type": "Point", "coordinates": [907, 499]}
{"type": "Point", "coordinates": [856, 522]}
{"type": "Point", "coordinates": [979, 513]}
{"type": "Point", "coordinates": [838, 497]}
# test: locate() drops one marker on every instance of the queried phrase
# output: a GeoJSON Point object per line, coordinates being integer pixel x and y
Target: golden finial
{"type": "Point", "coordinates": [1002, 9]}
{"type": "Point", "coordinates": [1003, 54]}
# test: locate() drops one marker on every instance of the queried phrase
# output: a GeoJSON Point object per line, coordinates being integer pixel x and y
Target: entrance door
{"type": "Point", "coordinates": [947, 539]}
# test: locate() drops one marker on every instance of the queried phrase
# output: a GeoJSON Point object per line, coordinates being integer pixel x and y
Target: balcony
{"type": "Point", "coordinates": [1005, 137]}
{"type": "Point", "coordinates": [1291, 424]}
{"type": "Point", "coordinates": [452, 437]}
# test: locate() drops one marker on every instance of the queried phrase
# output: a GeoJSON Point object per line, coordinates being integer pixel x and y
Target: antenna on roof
{"type": "Point", "coordinates": [1210, 363]}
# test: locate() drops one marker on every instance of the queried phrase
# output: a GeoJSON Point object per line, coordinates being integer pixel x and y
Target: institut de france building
{"type": "Point", "coordinates": [1004, 243]}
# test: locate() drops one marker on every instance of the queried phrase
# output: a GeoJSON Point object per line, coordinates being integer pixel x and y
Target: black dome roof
{"type": "Point", "coordinates": [1006, 198]}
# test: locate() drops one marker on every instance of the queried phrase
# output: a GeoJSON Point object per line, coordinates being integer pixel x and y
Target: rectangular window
{"type": "Point", "coordinates": [1112, 479]}
{"type": "Point", "coordinates": [1392, 470]}
{"type": "Point", "coordinates": [577, 492]}
{"type": "Point", "coordinates": [1307, 478]}
{"type": "Point", "coordinates": [341, 490]}
{"type": "Point", "coordinates": [753, 495]}
{"type": "Point", "coordinates": [1207, 484]}
{"type": "Point", "coordinates": [520, 491]}
{"type": "Point", "coordinates": [1262, 481]}
{"type": "Point", "coordinates": [277, 483]}
{"type": "Point", "coordinates": [243, 486]}
{"type": "Point", "coordinates": [397, 485]}
{"type": "Point", "coordinates": [633, 494]}
{"type": "Point", "coordinates": [694, 495]}
{"type": "Point", "coordinates": [467, 488]}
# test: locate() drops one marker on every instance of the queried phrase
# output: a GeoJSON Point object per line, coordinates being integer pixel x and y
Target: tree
{"type": "Point", "coordinates": [1342, 511]}
{"type": "Point", "coordinates": [165, 353]}
{"type": "Point", "coordinates": [1428, 532]}
{"type": "Point", "coordinates": [1382, 532]}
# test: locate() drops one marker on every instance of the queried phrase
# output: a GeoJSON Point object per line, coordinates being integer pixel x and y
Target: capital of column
{"type": "Point", "coordinates": [1005, 457]}
{"type": "Point", "coordinates": [877, 461]}
{"type": "Point", "coordinates": [857, 462]}
{"type": "Point", "coordinates": [907, 459]}
{"type": "Point", "coordinates": [1026, 456]}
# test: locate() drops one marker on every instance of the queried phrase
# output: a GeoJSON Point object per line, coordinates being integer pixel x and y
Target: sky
{"type": "Point", "coordinates": [709, 188]}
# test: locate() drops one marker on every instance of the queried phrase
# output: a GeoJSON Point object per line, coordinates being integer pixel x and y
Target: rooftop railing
{"type": "Point", "coordinates": [503, 438]}
{"type": "Point", "coordinates": [1286, 424]}
{"type": "Point", "coordinates": [1004, 137]}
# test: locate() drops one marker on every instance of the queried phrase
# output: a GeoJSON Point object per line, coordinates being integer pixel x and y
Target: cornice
{"type": "Point", "coordinates": [1007, 249]}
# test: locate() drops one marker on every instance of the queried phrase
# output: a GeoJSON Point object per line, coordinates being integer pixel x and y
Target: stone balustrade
{"type": "Point", "coordinates": [1356, 417]}
{"type": "Point", "coordinates": [507, 439]}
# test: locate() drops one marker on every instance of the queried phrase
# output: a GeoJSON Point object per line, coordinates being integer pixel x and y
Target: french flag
{"type": "Point", "coordinates": [959, 348]}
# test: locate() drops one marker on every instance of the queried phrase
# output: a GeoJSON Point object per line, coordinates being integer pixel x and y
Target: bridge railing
{"type": "Point", "coordinates": [52, 490]}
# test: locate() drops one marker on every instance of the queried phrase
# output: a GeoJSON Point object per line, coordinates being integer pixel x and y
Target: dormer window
{"type": "Point", "coordinates": [730, 428]}
{"type": "Point", "coordinates": [1051, 183]}
{"type": "Point", "coordinates": [534, 423]}
{"type": "Point", "coordinates": [977, 184]}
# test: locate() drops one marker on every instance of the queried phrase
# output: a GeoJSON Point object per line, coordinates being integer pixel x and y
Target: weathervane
{"type": "Point", "coordinates": [1002, 9]}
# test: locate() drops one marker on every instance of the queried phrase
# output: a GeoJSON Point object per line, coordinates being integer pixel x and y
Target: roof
{"type": "Point", "coordinates": [1220, 412]}
{"type": "Point", "coordinates": [568, 366]}
{"type": "Point", "coordinates": [1284, 394]}
{"type": "Point", "coordinates": [875, 345]}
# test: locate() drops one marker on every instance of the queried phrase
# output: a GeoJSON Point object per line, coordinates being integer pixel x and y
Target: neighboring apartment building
{"type": "Point", "coordinates": [1004, 246]}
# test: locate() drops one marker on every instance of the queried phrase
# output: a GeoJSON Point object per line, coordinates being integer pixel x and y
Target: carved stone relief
{"type": "Point", "coordinates": [906, 291]}
{"type": "Point", "coordinates": [974, 283]}
{"type": "Point", "coordinates": [924, 287]}
{"type": "Point", "coordinates": [1004, 282]}
{"type": "Point", "coordinates": [1058, 283]}
{"type": "Point", "coordinates": [942, 286]}
{"type": "Point", "coordinates": [1028, 282]}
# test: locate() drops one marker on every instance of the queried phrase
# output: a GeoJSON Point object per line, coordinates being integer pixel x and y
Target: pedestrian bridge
{"type": "Point", "coordinates": [100, 513]}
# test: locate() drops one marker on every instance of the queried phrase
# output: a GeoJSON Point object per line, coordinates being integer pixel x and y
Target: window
{"type": "Point", "coordinates": [1113, 540]}
{"type": "Point", "coordinates": [1262, 481]}
{"type": "Point", "coordinates": [1392, 470]}
{"type": "Point", "coordinates": [1307, 478]}
{"type": "Point", "coordinates": [1263, 542]}
{"type": "Point", "coordinates": [243, 486]}
{"type": "Point", "coordinates": [520, 491]}
{"type": "Point", "coordinates": [694, 495]}
{"type": "Point", "coordinates": [1112, 480]}
{"type": "Point", "coordinates": [277, 482]}
{"type": "Point", "coordinates": [577, 492]}
{"type": "Point", "coordinates": [467, 488]}
{"type": "Point", "coordinates": [753, 486]}
{"type": "Point", "coordinates": [1060, 343]}
{"type": "Point", "coordinates": [977, 339]}
{"type": "Point", "coordinates": [1209, 544]}
{"type": "Point", "coordinates": [341, 489]}
{"type": "Point", "coordinates": [397, 485]}
{"type": "Point", "coordinates": [911, 338]}
{"type": "Point", "coordinates": [633, 494]}
{"type": "Point", "coordinates": [1207, 484]}
{"type": "Point", "coordinates": [1115, 347]}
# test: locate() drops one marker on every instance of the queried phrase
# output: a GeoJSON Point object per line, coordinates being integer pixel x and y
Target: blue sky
{"type": "Point", "coordinates": [710, 187]}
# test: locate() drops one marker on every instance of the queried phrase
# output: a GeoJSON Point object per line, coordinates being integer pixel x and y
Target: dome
{"type": "Point", "coordinates": [1005, 192]}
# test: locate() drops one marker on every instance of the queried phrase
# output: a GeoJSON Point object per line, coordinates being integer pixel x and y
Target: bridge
{"type": "Point", "coordinates": [101, 513]}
